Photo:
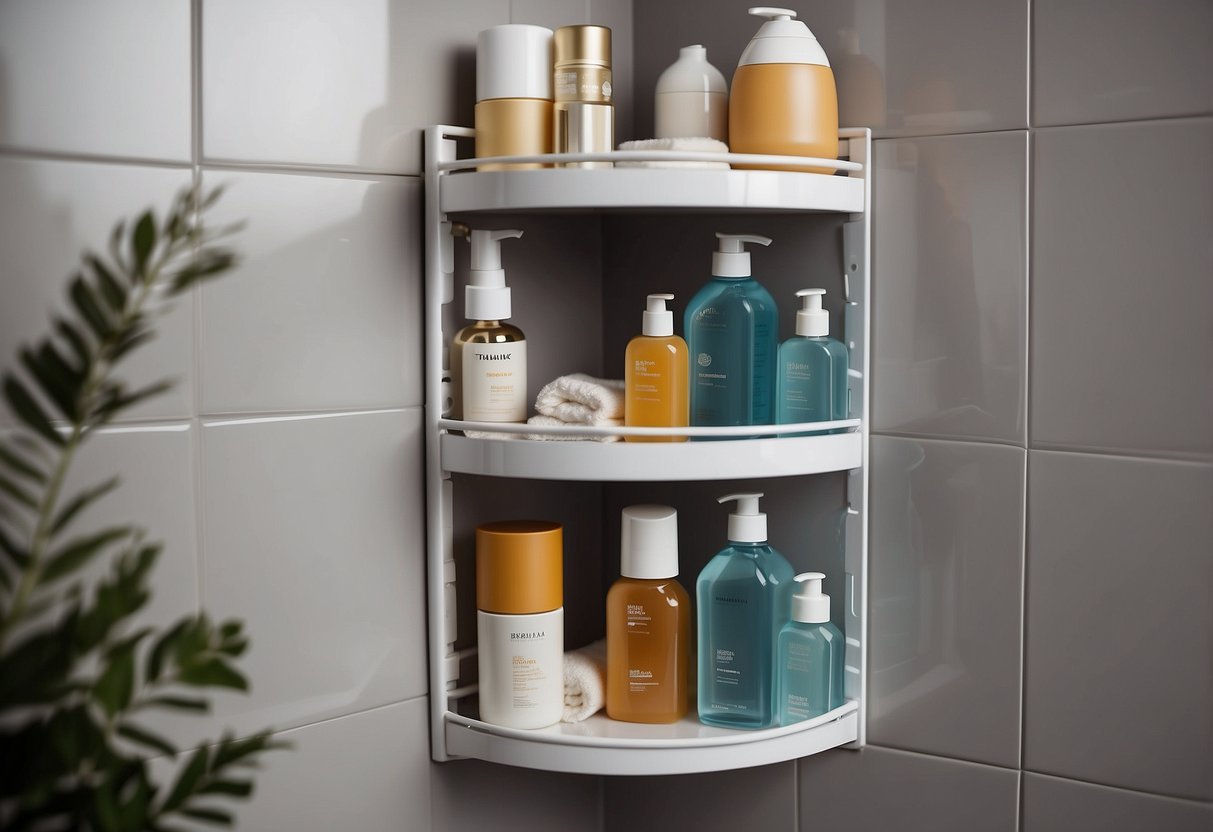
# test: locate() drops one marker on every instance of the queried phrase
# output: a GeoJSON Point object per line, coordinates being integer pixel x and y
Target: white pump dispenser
{"type": "Point", "coordinates": [811, 320]}
{"type": "Point", "coordinates": [747, 524]}
{"type": "Point", "coordinates": [658, 321]}
{"type": "Point", "coordinates": [810, 605]}
{"type": "Point", "coordinates": [732, 260]}
{"type": "Point", "coordinates": [486, 297]}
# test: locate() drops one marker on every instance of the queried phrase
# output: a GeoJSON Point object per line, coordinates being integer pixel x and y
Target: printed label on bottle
{"type": "Point", "coordinates": [494, 382]}
{"type": "Point", "coordinates": [640, 679]}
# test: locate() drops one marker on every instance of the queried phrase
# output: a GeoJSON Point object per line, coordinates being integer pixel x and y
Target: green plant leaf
{"type": "Point", "coordinates": [17, 493]}
{"type": "Point", "coordinates": [80, 551]}
{"type": "Point", "coordinates": [114, 292]}
{"type": "Point", "coordinates": [231, 752]}
{"type": "Point", "coordinates": [235, 788]}
{"type": "Point", "coordinates": [29, 411]}
{"type": "Point", "coordinates": [80, 502]}
{"type": "Point", "coordinates": [165, 646]}
{"type": "Point", "coordinates": [214, 673]}
{"type": "Point", "coordinates": [18, 464]}
{"type": "Point", "coordinates": [180, 703]}
{"type": "Point", "coordinates": [116, 685]}
{"type": "Point", "coordinates": [143, 240]}
{"type": "Point", "coordinates": [187, 780]}
{"type": "Point", "coordinates": [209, 263]}
{"type": "Point", "coordinates": [115, 399]}
{"type": "Point", "coordinates": [135, 336]}
{"type": "Point", "coordinates": [146, 738]}
{"type": "Point", "coordinates": [58, 381]}
{"type": "Point", "coordinates": [90, 310]}
{"type": "Point", "coordinates": [77, 341]}
{"type": "Point", "coordinates": [218, 817]}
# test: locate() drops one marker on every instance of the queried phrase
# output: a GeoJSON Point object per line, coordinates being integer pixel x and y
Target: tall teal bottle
{"type": "Point", "coordinates": [743, 598]}
{"type": "Point", "coordinates": [811, 379]}
{"type": "Point", "coordinates": [732, 333]}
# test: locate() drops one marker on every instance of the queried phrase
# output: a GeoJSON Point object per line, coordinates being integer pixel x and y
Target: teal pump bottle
{"type": "Point", "coordinates": [732, 333]}
{"type": "Point", "coordinates": [743, 598]}
{"type": "Point", "coordinates": [811, 381]}
{"type": "Point", "coordinates": [810, 655]}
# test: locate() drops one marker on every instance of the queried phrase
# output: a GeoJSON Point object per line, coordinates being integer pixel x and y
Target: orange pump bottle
{"type": "Point", "coordinates": [648, 622]}
{"type": "Point", "coordinates": [655, 375]}
{"type": "Point", "coordinates": [784, 100]}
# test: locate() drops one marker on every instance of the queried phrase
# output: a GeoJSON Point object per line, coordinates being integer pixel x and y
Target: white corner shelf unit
{"type": "Point", "coordinates": [600, 745]}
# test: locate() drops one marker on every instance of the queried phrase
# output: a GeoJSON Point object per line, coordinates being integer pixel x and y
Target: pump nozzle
{"type": "Point", "coordinates": [731, 259]}
{"type": "Point", "coordinates": [772, 12]}
{"type": "Point", "coordinates": [658, 321]}
{"type": "Point", "coordinates": [810, 605]}
{"type": "Point", "coordinates": [747, 524]}
{"type": "Point", "coordinates": [811, 319]}
{"type": "Point", "coordinates": [486, 297]}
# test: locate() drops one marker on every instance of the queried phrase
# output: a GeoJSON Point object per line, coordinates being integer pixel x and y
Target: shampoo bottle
{"type": "Point", "coordinates": [520, 622]}
{"type": "Point", "coordinates": [811, 653]}
{"type": "Point", "coordinates": [648, 622]}
{"type": "Point", "coordinates": [488, 357]}
{"type": "Point", "coordinates": [811, 382]}
{"type": "Point", "coordinates": [742, 596]}
{"type": "Point", "coordinates": [732, 335]}
{"type": "Point", "coordinates": [655, 374]}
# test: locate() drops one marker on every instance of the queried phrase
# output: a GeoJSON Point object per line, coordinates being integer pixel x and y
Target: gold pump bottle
{"type": "Point", "coordinates": [783, 100]}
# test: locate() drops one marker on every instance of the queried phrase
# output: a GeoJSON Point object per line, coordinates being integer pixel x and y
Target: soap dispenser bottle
{"type": "Point", "coordinates": [692, 98]}
{"type": "Point", "coordinates": [743, 597]}
{"type": "Point", "coordinates": [648, 622]}
{"type": "Point", "coordinates": [655, 374]}
{"type": "Point", "coordinates": [783, 99]}
{"type": "Point", "coordinates": [488, 357]}
{"type": "Point", "coordinates": [811, 382]}
{"type": "Point", "coordinates": [810, 655]}
{"type": "Point", "coordinates": [731, 326]}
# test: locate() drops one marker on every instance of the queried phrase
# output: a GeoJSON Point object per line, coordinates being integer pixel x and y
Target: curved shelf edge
{"type": "Point", "coordinates": [603, 746]}
{"type": "Point", "coordinates": [652, 461]}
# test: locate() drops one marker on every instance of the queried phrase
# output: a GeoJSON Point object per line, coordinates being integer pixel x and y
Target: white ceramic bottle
{"type": "Point", "coordinates": [692, 98]}
{"type": "Point", "coordinates": [520, 622]}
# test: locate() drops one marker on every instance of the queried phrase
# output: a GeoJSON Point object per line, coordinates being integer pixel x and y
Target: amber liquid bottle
{"type": "Point", "coordinates": [655, 375]}
{"type": "Point", "coordinates": [648, 622]}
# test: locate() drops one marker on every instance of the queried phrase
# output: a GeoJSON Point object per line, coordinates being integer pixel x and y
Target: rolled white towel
{"type": "Point", "coordinates": [584, 681]}
{"type": "Point", "coordinates": [696, 144]}
{"type": "Point", "coordinates": [552, 421]}
{"type": "Point", "coordinates": [580, 399]}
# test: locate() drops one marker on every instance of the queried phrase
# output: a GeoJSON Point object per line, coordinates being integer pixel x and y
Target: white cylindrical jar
{"type": "Point", "coordinates": [520, 622]}
{"type": "Point", "coordinates": [692, 98]}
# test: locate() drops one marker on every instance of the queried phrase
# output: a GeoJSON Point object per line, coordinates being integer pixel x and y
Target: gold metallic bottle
{"type": "Point", "coordinates": [513, 93]}
{"type": "Point", "coordinates": [584, 116]}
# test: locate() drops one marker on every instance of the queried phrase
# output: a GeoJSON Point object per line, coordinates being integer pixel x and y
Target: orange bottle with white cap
{"type": "Point", "coordinates": [520, 622]}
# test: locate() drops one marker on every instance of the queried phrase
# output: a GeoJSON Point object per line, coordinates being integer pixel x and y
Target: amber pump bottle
{"type": "Point", "coordinates": [648, 622]}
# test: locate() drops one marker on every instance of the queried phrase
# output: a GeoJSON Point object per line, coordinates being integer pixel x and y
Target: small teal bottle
{"type": "Point", "coordinates": [742, 597]}
{"type": "Point", "coordinates": [732, 333]}
{"type": "Point", "coordinates": [811, 651]}
{"type": "Point", "coordinates": [811, 381]}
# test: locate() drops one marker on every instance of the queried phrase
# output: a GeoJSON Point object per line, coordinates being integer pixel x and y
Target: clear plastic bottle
{"type": "Point", "coordinates": [811, 382]}
{"type": "Point", "coordinates": [743, 598]}
{"type": "Point", "coordinates": [810, 654]}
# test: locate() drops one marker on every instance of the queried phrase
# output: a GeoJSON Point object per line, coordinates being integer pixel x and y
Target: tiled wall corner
{"type": "Point", "coordinates": [765, 795]}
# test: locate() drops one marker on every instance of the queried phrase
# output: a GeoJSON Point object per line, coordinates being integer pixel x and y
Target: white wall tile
{"type": "Point", "coordinates": [950, 286]}
{"type": "Point", "coordinates": [314, 535]}
{"type": "Point", "coordinates": [107, 78]}
{"type": "Point", "coordinates": [50, 211]}
{"type": "Point", "coordinates": [337, 84]}
{"type": "Point", "coordinates": [324, 313]}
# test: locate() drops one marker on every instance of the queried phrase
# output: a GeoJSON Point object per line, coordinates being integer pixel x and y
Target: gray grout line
{"type": "Point", "coordinates": [961, 440]}
{"type": "Point", "coordinates": [898, 750]}
{"type": "Point", "coordinates": [1176, 459]}
{"type": "Point", "coordinates": [1191, 118]}
{"type": "Point", "coordinates": [91, 158]}
{"type": "Point", "coordinates": [346, 171]}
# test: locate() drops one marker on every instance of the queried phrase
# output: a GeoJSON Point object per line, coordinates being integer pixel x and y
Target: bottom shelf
{"type": "Point", "coordinates": [605, 746]}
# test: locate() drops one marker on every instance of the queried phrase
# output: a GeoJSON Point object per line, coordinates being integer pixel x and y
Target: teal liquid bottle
{"type": "Point", "coordinates": [742, 597]}
{"type": "Point", "coordinates": [811, 651]}
{"type": "Point", "coordinates": [811, 379]}
{"type": "Point", "coordinates": [732, 332]}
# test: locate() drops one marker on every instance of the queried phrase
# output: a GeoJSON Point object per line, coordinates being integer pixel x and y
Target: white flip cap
{"type": "Point", "coordinates": [782, 40]}
{"type": "Point", "coordinates": [486, 297]}
{"type": "Point", "coordinates": [658, 320]}
{"type": "Point", "coordinates": [810, 605]}
{"type": "Point", "coordinates": [649, 542]}
{"type": "Point", "coordinates": [732, 260]}
{"type": "Point", "coordinates": [747, 524]}
{"type": "Point", "coordinates": [514, 61]}
{"type": "Point", "coordinates": [811, 319]}
{"type": "Point", "coordinates": [692, 73]}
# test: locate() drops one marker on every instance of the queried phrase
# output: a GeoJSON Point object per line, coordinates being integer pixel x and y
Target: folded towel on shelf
{"type": "Point", "coordinates": [688, 144]}
{"type": "Point", "coordinates": [584, 681]}
{"type": "Point", "coordinates": [552, 421]}
{"type": "Point", "coordinates": [580, 399]}
{"type": "Point", "coordinates": [490, 434]}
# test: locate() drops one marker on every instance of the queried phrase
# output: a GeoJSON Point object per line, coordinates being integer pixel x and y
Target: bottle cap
{"type": "Point", "coordinates": [810, 605]}
{"type": "Point", "coordinates": [519, 567]}
{"type": "Point", "coordinates": [486, 297]}
{"type": "Point", "coordinates": [587, 45]}
{"type": "Point", "coordinates": [692, 73]}
{"type": "Point", "coordinates": [732, 260]}
{"type": "Point", "coordinates": [658, 320]}
{"type": "Point", "coordinates": [514, 61]}
{"type": "Point", "coordinates": [747, 524]}
{"type": "Point", "coordinates": [811, 319]}
{"type": "Point", "coordinates": [649, 542]}
{"type": "Point", "coordinates": [782, 40]}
